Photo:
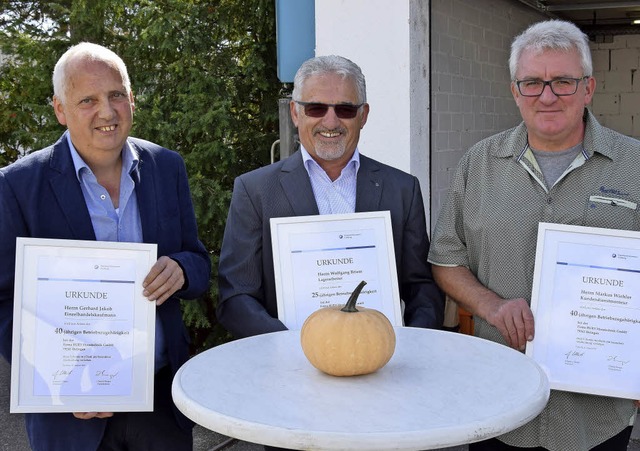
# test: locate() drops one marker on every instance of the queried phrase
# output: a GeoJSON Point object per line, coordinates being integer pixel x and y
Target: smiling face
{"type": "Point", "coordinates": [331, 141]}
{"type": "Point", "coordinates": [97, 111]}
{"type": "Point", "coordinates": [553, 122]}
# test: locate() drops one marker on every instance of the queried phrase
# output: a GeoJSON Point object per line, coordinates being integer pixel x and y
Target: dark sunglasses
{"type": "Point", "coordinates": [343, 110]}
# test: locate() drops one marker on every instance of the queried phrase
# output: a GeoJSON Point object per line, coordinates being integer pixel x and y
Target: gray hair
{"type": "Point", "coordinates": [86, 51]}
{"type": "Point", "coordinates": [551, 35]}
{"type": "Point", "coordinates": [330, 64]}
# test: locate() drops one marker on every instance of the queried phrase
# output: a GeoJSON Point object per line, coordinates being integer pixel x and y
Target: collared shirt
{"type": "Point", "coordinates": [554, 164]}
{"type": "Point", "coordinates": [116, 224]}
{"type": "Point", "coordinates": [337, 196]}
{"type": "Point", "coordinates": [109, 223]}
{"type": "Point", "coordinates": [489, 224]}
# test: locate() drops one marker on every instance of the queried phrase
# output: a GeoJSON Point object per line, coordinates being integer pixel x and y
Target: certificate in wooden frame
{"type": "Point", "coordinates": [83, 333]}
{"type": "Point", "coordinates": [586, 304]}
{"type": "Point", "coordinates": [319, 260]}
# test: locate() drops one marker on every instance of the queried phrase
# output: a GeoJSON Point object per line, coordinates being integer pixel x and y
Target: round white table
{"type": "Point", "coordinates": [439, 389]}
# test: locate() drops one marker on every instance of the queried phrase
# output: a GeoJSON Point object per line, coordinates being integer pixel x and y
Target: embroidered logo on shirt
{"type": "Point", "coordinates": [617, 192]}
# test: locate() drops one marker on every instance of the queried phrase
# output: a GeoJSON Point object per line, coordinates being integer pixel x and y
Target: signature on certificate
{"type": "Point", "coordinates": [61, 374]}
{"type": "Point", "coordinates": [573, 353]}
{"type": "Point", "coordinates": [616, 359]}
{"type": "Point", "coordinates": [106, 374]}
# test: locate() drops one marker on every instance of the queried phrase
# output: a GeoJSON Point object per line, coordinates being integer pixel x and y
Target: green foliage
{"type": "Point", "coordinates": [204, 77]}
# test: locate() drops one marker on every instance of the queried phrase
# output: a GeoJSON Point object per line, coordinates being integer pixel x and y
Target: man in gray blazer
{"type": "Point", "coordinates": [328, 175]}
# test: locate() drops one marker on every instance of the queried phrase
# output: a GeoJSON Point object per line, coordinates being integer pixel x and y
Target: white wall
{"type": "Point", "coordinates": [434, 95]}
{"type": "Point", "coordinates": [375, 36]}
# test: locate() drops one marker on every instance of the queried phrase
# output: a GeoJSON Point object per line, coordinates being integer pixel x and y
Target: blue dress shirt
{"type": "Point", "coordinates": [117, 224]}
{"type": "Point", "coordinates": [337, 196]}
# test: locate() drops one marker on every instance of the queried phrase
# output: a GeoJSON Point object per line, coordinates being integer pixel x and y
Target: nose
{"type": "Point", "coordinates": [547, 94]}
{"type": "Point", "coordinates": [106, 109]}
{"type": "Point", "coordinates": [330, 119]}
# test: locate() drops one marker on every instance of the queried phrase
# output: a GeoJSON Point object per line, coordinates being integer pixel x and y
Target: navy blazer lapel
{"type": "Point", "coordinates": [297, 186]}
{"type": "Point", "coordinates": [146, 194]}
{"type": "Point", "coordinates": [66, 187]}
{"type": "Point", "coordinates": [369, 185]}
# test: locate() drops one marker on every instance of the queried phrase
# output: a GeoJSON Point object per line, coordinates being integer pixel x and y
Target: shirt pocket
{"type": "Point", "coordinates": [611, 212]}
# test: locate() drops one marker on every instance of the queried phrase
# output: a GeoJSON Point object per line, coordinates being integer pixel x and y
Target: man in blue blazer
{"type": "Point", "coordinates": [327, 175]}
{"type": "Point", "coordinates": [97, 183]}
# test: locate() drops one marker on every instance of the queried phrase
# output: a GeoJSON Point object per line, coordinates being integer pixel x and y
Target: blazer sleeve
{"type": "Point", "coordinates": [11, 226]}
{"type": "Point", "coordinates": [241, 307]}
{"type": "Point", "coordinates": [424, 301]}
{"type": "Point", "coordinates": [193, 258]}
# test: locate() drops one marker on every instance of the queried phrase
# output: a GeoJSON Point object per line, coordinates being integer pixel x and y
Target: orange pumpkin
{"type": "Point", "coordinates": [348, 341]}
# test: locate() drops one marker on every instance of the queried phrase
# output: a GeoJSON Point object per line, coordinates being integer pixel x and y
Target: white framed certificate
{"type": "Point", "coordinates": [319, 261]}
{"type": "Point", "coordinates": [586, 304]}
{"type": "Point", "coordinates": [83, 333]}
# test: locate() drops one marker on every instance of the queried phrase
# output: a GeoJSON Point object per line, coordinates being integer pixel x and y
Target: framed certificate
{"type": "Point", "coordinates": [586, 304]}
{"type": "Point", "coordinates": [83, 333]}
{"type": "Point", "coordinates": [319, 261]}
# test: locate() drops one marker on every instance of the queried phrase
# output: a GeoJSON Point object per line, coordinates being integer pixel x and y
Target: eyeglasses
{"type": "Point", "coordinates": [563, 86]}
{"type": "Point", "coordinates": [342, 110]}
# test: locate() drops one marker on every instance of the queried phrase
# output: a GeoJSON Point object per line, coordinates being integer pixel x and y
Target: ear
{"type": "Point", "coordinates": [132, 101]}
{"type": "Point", "coordinates": [365, 114]}
{"type": "Point", "coordinates": [58, 108]}
{"type": "Point", "coordinates": [514, 92]}
{"type": "Point", "coordinates": [294, 112]}
{"type": "Point", "coordinates": [590, 89]}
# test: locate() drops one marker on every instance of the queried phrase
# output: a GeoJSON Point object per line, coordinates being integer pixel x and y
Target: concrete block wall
{"type": "Point", "coordinates": [470, 82]}
{"type": "Point", "coordinates": [616, 102]}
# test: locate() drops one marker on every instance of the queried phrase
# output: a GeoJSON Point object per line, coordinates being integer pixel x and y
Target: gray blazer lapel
{"type": "Point", "coordinates": [297, 186]}
{"type": "Point", "coordinates": [369, 186]}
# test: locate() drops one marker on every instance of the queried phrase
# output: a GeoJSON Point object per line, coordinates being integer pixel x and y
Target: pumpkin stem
{"type": "Point", "coordinates": [350, 306]}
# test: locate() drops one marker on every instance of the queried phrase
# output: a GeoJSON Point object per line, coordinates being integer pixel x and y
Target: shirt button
{"type": "Point", "coordinates": [549, 200]}
{"type": "Point", "coordinates": [103, 197]}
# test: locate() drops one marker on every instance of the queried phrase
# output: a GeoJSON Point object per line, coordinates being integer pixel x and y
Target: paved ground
{"type": "Point", "coordinates": [13, 437]}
